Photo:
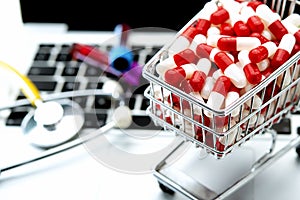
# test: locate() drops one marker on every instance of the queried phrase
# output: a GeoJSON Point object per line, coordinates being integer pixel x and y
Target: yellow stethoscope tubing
{"type": "Point", "coordinates": [27, 87]}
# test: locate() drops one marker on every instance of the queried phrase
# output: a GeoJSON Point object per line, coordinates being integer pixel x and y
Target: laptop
{"type": "Point", "coordinates": [39, 36]}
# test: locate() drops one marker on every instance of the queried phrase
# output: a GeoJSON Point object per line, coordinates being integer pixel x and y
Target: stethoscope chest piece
{"type": "Point", "coordinates": [53, 123]}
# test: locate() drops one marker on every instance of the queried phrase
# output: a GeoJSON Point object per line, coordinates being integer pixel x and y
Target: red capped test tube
{"type": "Point", "coordinates": [262, 52]}
{"type": "Point", "coordinates": [219, 92]}
{"type": "Point", "coordinates": [250, 69]}
{"type": "Point", "coordinates": [283, 51]}
{"type": "Point", "coordinates": [230, 69]}
{"type": "Point", "coordinates": [273, 22]}
{"type": "Point", "coordinates": [252, 20]}
{"type": "Point", "coordinates": [237, 43]}
{"type": "Point", "coordinates": [183, 57]}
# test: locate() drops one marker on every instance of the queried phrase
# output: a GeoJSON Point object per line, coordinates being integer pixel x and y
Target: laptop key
{"type": "Point", "coordinates": [102, 102]}
{"type": "Point", "coordinates": [93, 120]}
{"type": "Point", "coordinates": [45, 85]}
{"type": "Point", "coordinates": [95, 85]}
{"type": "Point", "coordinates": [15, 118]}
{"type": "Point", "coordinates": [93, 71]}
{"type": "Point", "coordinates": [64, 57]}
{"type": "Point", "coordinates": [70, 86]}
{"type": "Point", "coordinates": [45, 48]}
{"type": "Point", "coordinates": [143, 122]}
{"type": "Point", "coordinates": [81, 100]}
{"type": "Point", "coordinates": [130, 101]}
{"type": "Point", "coordinates": [70, 71]}
{"type": "Point", "coordinates": [145, 103]}
{"type": "Point", "coordinates": [42, 71]}
{"type": "Point", "coordinates": [42, 57]}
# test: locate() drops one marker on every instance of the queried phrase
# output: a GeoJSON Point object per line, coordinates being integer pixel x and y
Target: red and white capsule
{"type": "Point", "coordinates": [198, 78]}
{"type": "Point", "coordinates": [272, 20]}
{"type": "Point", "coordinates": [264, 64]}
{"type": "Point", "coordinates": [250, 69]}
{"type": "Point", "coordinates": [231, 5]}
{"type": "Point", "coordinates": [205, 13]}
{"type": "Point", "coordinates": [198, 39]}
{"type": "Point", "coordinates": [283, 51]}
{"type": "Point", "coordinates": [232, 96]}
{"type": "Point", "coordinates": [230, 69]}
{"type": "Point", "coordinates": [252, 20]}
{"type": "Point", "coordinates": [213, 30]}
{"type": "Point", "coordinates": [203, 17]}
{"type": "Point", "coordinates": [218, 94]}
{"type": "Point", "coordinates": [208, 51]}
{"type": "Point", "coordinates": [261, 37]}
{"type": "Point", "coordinates": [219, 16]}
{"type": "Point", "coordinates": [254, 4]}
{"type": "Point", "coordinates": [237, 43]}
{"type": "Point", "coordinates": [240, 28]}
{"type": "Point", "coordinates": [207, 87]}
{"type": "Point", "coordinates": [176, 75]}
{"type": "Point", "coordinates": [204, 65]}
{"type": "Point", "coordinates": [181, 58]}
{"type": "Point", "coordinates": [293, 30]}
{"type": "Point", "coordinates": [183, 41]}
{"type": "Point", "coordinates": [255, 102]}
{"type": "Point", "coordinates": [293, 18]}
{"type": "Point", "coordinates": [264, 51]}
{"type": "Point", "coordinates": [226, 29]}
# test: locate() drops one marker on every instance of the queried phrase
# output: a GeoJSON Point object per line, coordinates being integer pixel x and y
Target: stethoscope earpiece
{"type": "Point", "coordinates": [53, 123]}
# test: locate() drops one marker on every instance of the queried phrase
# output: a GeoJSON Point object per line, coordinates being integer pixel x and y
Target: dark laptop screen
{"type": "Point", "coordinates": [104, 15]}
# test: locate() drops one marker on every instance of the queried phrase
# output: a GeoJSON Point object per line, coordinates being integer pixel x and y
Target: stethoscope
{"type": "Point", "coordinates": [56, 119]}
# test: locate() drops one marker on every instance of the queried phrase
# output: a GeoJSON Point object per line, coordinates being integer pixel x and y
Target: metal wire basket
{"type": "Point", "coordinates": [254, 112]}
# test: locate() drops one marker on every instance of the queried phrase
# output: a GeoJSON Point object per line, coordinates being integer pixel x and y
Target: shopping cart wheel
{"type": "Point", "coordinates": [298, 147]}
{"type": "Point", "coordinates": [298, 150]}
{"type": "Point", "coordinates": [165, 188]}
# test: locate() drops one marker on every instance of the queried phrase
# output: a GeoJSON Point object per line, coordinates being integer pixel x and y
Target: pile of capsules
{"type": "Point", "coordinates": [228, 49]}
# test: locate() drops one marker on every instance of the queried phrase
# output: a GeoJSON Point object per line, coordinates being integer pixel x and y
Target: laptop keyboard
{"type": "Point", "coordinates": [53, 70]}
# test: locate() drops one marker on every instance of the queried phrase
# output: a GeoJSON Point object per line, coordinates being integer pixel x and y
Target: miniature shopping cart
{"type": "Point", "coordinates": [279, 94]}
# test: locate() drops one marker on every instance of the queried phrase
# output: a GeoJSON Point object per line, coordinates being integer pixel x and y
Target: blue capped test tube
{"type": "Point", "coordinates": [120, 56]}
